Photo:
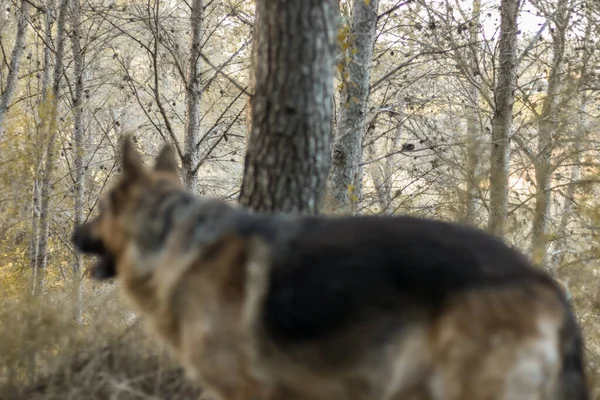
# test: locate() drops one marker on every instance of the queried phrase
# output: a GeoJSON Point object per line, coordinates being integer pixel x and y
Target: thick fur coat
{"type": "Point", "coordinates": [260, 306]}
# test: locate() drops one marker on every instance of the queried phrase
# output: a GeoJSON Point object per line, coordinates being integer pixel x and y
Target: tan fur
{"type": "Point", "coordinates": [205, 303]}
{"type": "Point", "coordinates": [458, 357]}
{"type": "Point", "coordinates": [194, 306]}
{"type": "Point", "coordinates": [488, 346]}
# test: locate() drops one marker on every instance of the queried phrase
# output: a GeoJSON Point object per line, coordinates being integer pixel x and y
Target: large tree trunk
{"type": "Point", "coordinates": [473, 132]}
{"type": "Point", "coordinates": [288, 150]}
{"type": "Point", "coordinates": [15, 62]}
{"type": "Point", "coordinates": [548, 125]}
{"type": "Point", "coordinates": [502, 120]}
{"type": "Point", "coordinates": [79, 150]}
{"type": "Point", "coordinates": [191, 156]}
{"type": "Point", "coordinates": [345, 178]}
{"type": "Point", "coordinates": [51, 134]}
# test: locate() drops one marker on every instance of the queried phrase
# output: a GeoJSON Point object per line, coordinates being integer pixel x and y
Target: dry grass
{"type": "Point", "coordinates": [45, 355]}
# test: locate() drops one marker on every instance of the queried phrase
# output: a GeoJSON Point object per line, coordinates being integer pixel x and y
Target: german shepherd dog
{"type": "Point", "coordinates": [265, 306]}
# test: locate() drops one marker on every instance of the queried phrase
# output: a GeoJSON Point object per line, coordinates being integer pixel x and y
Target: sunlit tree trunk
{"type": "Point", "coordinates": [548, 125]}
{"type": "Point", "coordinates": [191, 156]}
{"type": "Point", "coordinates": [474, 135]}
{"type": "Point", "coordinates": [51, 126]}
{"type": "Point", "coordinates": [79, 149]}
{"type": "Point", "coordinates": [15, 62]}
{"type": "Point", "coordinates": [345, 177]}
{"type": "Point", "coordinates": [502, 120]}
{"type": "Point", "coordinates": [288, 150]}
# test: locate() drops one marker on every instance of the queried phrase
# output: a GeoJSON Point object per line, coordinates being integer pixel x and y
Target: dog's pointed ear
{"type": "Point", "coordinates": [165, 161]}
{"type": "Point", "coordinates": [131, 161]}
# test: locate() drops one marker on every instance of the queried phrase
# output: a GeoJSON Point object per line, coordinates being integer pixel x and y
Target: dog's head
{"type": "Point", "coordinates": [109, 233]}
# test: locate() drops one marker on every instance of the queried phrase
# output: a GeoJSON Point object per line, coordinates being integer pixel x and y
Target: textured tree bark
{"type": "Point", "coordinates": [52, 132]}
{"type": "Point", "coordinates": [548, 124]}
{"type": "Point", "coordinates": [191, 156]}
{"type": "Point", "coordinates": [473, 132]}
{"type": "Point", "coordinates": [345, 178]}
{"type": "Point", "coordinates": [502, 120]}
{"type": "Point", "coordinates": [79, 151]}
{"type": "Point", "coordinates": [15, 62]}
{"type": "Point", "coordinates": [288, 150]}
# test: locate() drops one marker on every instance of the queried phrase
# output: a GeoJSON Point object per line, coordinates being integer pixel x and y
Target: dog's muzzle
{"type": "Point", "coordinates": [105, 267]}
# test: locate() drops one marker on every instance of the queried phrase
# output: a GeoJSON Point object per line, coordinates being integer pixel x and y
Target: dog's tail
{"type": "Point", "coordinates": [572, 383]}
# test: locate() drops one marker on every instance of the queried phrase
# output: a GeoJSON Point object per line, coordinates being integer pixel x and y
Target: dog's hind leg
{"type": "Point", "coordinates": [498, 345]}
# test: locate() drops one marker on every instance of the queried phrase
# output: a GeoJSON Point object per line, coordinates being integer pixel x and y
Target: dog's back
{"type": "Point", "coordinates": [404, 305]}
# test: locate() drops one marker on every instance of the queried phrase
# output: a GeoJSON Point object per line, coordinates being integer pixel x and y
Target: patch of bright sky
{"type": "Point", "coordinates": [529, 23]}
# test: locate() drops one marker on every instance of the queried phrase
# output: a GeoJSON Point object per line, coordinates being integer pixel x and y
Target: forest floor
{"type": "Point", "coordinates": [46, 355]}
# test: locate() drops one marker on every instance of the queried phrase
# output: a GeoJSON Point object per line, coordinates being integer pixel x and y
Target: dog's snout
{"type": "Point", "coordinates": [85, 242]}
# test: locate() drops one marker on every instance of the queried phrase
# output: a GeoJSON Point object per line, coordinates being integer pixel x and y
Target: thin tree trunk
{"type": "Point", "coordinates": [79, 150]}
{"type": "Point", "coordinates": [42, 125]}
{"type": "Point", "coordinates": [375, 168]}
{"type": "Point", "coordinates": [382, 175]}
{"type": "Point", "coordinates": [52, 133]}
{"type": "Point", "coordinates": [288, 150]}
{"type": "Point", "coordinates": [38, 155]}
{"type": "Point", "coordinates": [345, 178]}
{"type": "Point", "coordinates": [566, 214]}
{"type": "Point", "coordinates": [252, 75]}
{"type": "Point", "coordinates": [379, 179]}
{"type": "Point", "coordinates": [473, 132]}
{"type": "Point", "coordinates": [502, 120]}
{"type": "Point", "coordinates": [3, 18]}
{"type": "Point", "coordinates": [47, 53]}
{"type": "Point", "coordinates": [191, 156]}
{"type": "Point", "coordinates": [15, 62]}
{"type": "Point", "coordinates": [548, 124]}
{"type": "Point", "coordinates": [35, 217]}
